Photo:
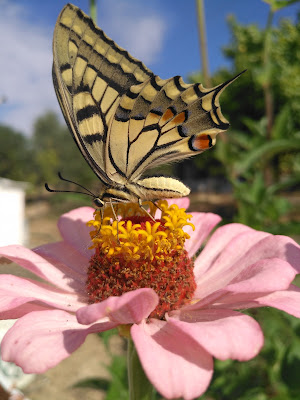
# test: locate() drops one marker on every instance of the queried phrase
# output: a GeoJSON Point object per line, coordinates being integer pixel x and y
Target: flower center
{"type": "Point", "coordinates": [140, 252]}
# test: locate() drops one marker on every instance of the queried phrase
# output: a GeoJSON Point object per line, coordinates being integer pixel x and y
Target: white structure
{"type": "Point", "coordinates": [12, 231]}
{"type": "Point", "coordinates": [12, 212]}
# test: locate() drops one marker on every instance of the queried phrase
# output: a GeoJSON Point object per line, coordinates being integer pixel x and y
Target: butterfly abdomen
{"type": "Point", "coordinates": [158, 187]}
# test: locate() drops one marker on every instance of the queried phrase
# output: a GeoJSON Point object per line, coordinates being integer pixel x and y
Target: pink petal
{"type": "Point", "coordinates": [259, 279]}
{"type": "Point", "coordinates": [266, 275]}
{"type": "Point", "coordinates": [28, 259]}
{"type": "Point", "coordinates": [174, 362]}
{"type": "Point", "coordinates": [204, 223]}
{"type": "Point", "coordinates": [74, 230]}
{"type": "Point", "coordinates": [218, 241]}
{"type": "Point", "coordinates": [227, 300]}
{"type": "Point", "coordinates": [182, 202]}
{"type": "Point", "coordinates": [233, 259]}
{"type": "Point", "coordinates": [15, 291]}
{"type": "Point", "coordinates": [62, 252]}
{"type": "Point", "coordinates": [40, 340]}
{"type": "Point", "coordinates": [272, 246]}
{"type": "Point", "coordinates": [131, 307]}
{"type": "Point", "coordinates": [22, 310]}
{"type": "Point", "coordinates": [230, 263]}
{"type": "Point", "coordinates": [223, 333]}
{"type": "Point", "coordinates": [285, 300]}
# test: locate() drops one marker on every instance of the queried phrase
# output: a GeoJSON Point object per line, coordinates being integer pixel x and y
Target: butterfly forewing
{"type": "Point", "coordinates": [90, 74]}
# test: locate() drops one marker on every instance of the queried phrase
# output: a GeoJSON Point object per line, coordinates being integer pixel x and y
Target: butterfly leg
{"type": "Point", "coordinates": [157, 206]}
{"type": "Point", "coordinates": [116, 218]}
{"type": "Point", "coordinates": [140, 204]}
{"type": "Point", "coordinates": [102, 215]}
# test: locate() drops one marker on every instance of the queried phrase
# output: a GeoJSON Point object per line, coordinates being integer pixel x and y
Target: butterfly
{"type": "Point", "coordinates": [123, 117]}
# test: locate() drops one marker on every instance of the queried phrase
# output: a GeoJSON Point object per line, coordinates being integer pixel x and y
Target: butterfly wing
{"type": "Point", "coordinates": [90, 74]}
{"type": "Point", "coordinates": [164, 121]}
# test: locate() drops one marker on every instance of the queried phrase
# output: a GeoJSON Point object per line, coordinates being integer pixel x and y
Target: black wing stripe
{"type": "Point", "coordinates": [65, 67]}
{"type": "Point", "coordinates": [86, 112]}
{"type": "Point", "coordinates": [177, 83]}
{"type": "Point", "coordinates": [156, 112]}
{"type": "Point", "coordinates": [114, 164]}
{"type": "Point", "coordinates": [112, 44]}
{"type": "Point", "coordinates": [106, 64]}
{"type": "Point", "coordinates": [93, 138]}
{"type": "Point", "coordinates": [154, 148]}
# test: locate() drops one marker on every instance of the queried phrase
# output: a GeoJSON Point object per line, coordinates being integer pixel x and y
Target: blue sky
{"type": "Point", "coordinates": [163, 34]}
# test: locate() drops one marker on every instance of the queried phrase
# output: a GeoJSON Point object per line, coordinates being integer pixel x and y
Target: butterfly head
{"type": "Point", "coordinates": [98, 202]}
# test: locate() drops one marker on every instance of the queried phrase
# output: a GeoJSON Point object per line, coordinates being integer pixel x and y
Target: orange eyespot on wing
{"type": "Point", "coordinates": [169, 113]}
{"type": "Point", "coordinates": [201, 142]}
{"type": "Point", "coordinates": [180, 118]}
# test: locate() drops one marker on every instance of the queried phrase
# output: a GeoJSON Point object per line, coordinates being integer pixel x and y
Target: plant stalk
{"type": "Point", "coordinates": [268, 95]}
{"type": "Point", "coordinates": [93, 10]}
{"type": "Point", "coordinates": [203, 42]}
{"type": "Point", "coordinates": [139, 386]}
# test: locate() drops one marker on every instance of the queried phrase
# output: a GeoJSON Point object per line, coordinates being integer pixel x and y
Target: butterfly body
{"type": "Point", "coordinates": [125, 119]}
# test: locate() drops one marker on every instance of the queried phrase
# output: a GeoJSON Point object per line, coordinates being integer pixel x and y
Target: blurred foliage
{"type": "Point", "coordinates": [15, 155]}
{"type": "Point", "coordinates": [117, 386]}
{"type": "Point", "coordinates": [56, 151]}
{"type": "Point", "coordinates": [278, 4]}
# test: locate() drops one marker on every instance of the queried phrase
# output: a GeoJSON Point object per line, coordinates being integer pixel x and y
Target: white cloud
{"type": "Point", "coordinates": [26, 54]}
{"type": "Point", "coordinates": [25, 68]}
{"type": "Point", "coordinates": [136, 27]}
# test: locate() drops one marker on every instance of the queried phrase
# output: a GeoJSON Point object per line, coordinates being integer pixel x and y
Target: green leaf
{"type": "Point", "coordinates": [266, 152]}
{"type": "Point", "coordinates": [118, 388]}
{"type": "Point", "coordinates": [291, 366]}
{"type": "Point", "coordinates": [285, 184]}
{"type": "Point", "coordinates": [282, 123]}
{"type": "Point", "coordinates": [105, 336]}
{"type": "Point", "coordinates": [278, 4]}
{"type": "Point", "coordinates": [93, 383]}
{"type": "Point", "coordinates": [257, 128]}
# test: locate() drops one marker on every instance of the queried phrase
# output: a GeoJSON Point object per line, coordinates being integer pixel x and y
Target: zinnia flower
{"type": "Point", "coordinates": [142, 276]}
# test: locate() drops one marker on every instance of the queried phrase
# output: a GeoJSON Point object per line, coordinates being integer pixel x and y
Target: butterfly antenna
{"type": "Point", "coordinates": [75, 183]}
{"type": "Point", "coordinates": [66, 191]}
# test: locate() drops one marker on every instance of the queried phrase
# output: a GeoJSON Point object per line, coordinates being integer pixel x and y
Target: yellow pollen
{"type": "Point", "coordinates": [135, 236]}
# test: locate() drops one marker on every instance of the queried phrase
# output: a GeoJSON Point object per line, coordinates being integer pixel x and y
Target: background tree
{"type": "Point", "coordinates": [55, 150]}
{"type": "Point", "coordinates": [15, 155]}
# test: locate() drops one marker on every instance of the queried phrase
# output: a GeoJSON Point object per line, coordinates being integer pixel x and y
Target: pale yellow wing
{"type": "Point", "coordinates": [90, 74]}
{"type": "Point", "coordinates": [162, 121]}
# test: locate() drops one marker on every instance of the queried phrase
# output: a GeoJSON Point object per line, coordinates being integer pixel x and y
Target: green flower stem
{"type": "Point", "coordinates": [139, 386]}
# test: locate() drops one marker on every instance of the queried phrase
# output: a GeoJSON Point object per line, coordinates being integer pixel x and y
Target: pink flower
{"type": "Point", "coordinates": [239, 268]}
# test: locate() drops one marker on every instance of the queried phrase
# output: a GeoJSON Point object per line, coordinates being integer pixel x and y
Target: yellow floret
{"type": "Point", "coordinates": [134, 240]}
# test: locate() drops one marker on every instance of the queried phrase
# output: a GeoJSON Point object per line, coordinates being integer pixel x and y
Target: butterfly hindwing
{"type": "Point", "coordinates": [168, 120]}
